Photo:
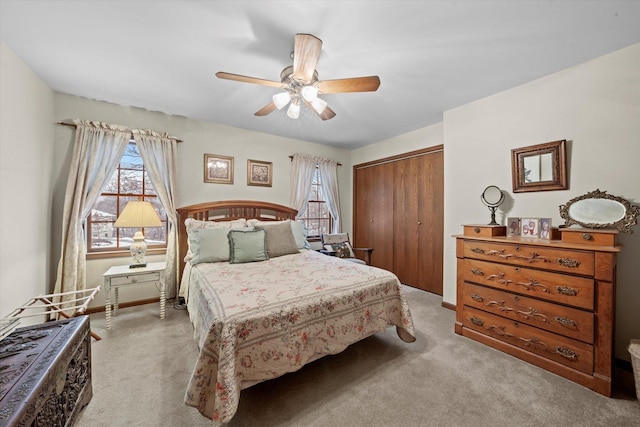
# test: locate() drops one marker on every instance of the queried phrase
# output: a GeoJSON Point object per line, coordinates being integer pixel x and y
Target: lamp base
{"type": "Point", "coordinates": [138, 251]}
{"type": "Point", "coordinates": [138, 265]}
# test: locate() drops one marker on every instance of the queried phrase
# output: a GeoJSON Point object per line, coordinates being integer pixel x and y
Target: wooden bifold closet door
{"type": "Point", "coordinates": [398, 211]}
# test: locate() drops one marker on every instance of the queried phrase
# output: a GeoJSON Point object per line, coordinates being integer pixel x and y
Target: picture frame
{"type": "Point", "coordinates": [218, 169]}
{"type": "Point", "coordinates": [530, 227]}
{"type": "Point", "coordinates": [545, 228]}
{"type": "Point", "coordinates": [513, 227]}
{"type": "Point", "coordinates": [259, 173]}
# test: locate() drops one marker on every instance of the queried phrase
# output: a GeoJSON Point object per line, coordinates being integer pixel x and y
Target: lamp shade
{"type": "Point", "coordinates": [138, 214]}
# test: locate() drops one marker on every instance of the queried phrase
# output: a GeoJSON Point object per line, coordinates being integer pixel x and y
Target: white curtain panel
{"type": "Point", "coordinates": [328, 172]}
{"type": "Point", "coordinates": [97, 151]}
{"type": "Point", "coordinates": [158, 152]}
{"type": "Point", "coordinates": [303, 168]}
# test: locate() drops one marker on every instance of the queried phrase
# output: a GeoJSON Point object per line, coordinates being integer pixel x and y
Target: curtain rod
{"type": "Point", "coordinates": [291, 157]}
{"type": "Point", "coordinates": [71, 125]}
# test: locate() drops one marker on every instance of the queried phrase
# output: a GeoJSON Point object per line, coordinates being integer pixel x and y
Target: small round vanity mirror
{"type": "Point", "coordinates": [492, 196]}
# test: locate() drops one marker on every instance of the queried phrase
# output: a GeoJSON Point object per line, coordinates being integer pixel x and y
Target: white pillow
{"type": "Point", "coordinates": [191, 224]}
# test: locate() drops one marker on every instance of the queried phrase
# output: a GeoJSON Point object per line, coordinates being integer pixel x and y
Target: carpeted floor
{"type": "Point", "coordinates": [141, 369]}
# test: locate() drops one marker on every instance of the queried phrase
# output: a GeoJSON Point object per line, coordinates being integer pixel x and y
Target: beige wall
{"type": "Point", "coordinates": [594, 106]}
{"type": "Point", "coordinates": [199, 138]}
{"type": "Point", "coordinates": [26, 129]}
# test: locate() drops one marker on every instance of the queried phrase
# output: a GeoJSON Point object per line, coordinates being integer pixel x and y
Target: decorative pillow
{"type": "Point", "coordinates": [257, 222]}
{"type": "Point", "coordinates": [299, 229]}
{"type": "Point", "coordinates": [192, 224]}
{"type": "Point", "coordinates": [195, 224]}
{"type": "Point", "coordinates": [342, 250]}
{"type": "Point", "coordinates": [209, 245]}
{"type": "Point", "coordinates": [247, 246]}
{"type": "Point", "coordinates": [279, 239]}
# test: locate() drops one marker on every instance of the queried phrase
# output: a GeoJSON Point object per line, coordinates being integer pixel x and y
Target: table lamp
{"type": "Point", "coordinates": [138, 214]}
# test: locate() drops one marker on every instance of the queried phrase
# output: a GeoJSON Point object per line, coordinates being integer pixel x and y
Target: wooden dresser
{"type": "Point", "coordinates": [46, 373]}
{"type": "Point", "coordinates": [549, 302]}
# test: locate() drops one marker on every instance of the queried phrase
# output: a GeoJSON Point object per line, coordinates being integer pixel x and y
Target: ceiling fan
{"type": "Point", "coordinates": [301, 85]}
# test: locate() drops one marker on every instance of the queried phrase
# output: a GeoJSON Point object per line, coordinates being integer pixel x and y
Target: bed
{"type": "Point", "coordinates": [273, 305]}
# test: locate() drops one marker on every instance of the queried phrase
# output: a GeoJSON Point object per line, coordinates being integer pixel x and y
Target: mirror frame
{"type": "Point", "coordinates": [559, 158]}
{"type": "Point", "coordinates": [624, 224]}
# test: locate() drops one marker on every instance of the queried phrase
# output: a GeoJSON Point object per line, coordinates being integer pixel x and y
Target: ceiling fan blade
{"type": "Point", "coordinates": [326, 114]}
{"type": "Point", "coordinates": [245, 79]}
{"type": "Point", "coordinates": [267, 109]}
{"type": "Point", "coordinates": [306, 51]}
{"type": "Point", "coordinates": [356, 84]}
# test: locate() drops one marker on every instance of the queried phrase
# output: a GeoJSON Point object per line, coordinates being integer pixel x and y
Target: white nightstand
{"type": "Point", "coordinates": [122, 275]}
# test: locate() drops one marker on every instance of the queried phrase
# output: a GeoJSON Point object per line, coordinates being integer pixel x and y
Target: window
{"type": "Point", "coordinates": [129, 182]}
{"type": "Point", "coordinates": [317, 216]}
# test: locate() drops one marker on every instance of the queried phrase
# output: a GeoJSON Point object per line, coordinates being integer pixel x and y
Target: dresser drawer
{"type": "Point", "coordinates": [562, 320]}
{"type": "Point", "coordinates": [566, 351]}
{"type": "Point", "coordinates": [555, 287]}
{"type": "Point", "coordinates": [564, 260]}
{"type": "Point", "coordinates": [135, 278]}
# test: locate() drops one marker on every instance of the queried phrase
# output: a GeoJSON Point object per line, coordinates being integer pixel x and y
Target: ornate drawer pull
{"type": "Point", "coordinates": [587, 236]}
{"type": "Point", "coordinates": [477, 250]}
{"type": "Point", "coordinates": [567, 353]}
{"type": "Point", "coordinates": [568, 262]}
{"type": "Point", "coordinates": [565, 290]}
{"type": "Point", "coordinates": [477, 272]}
{"type": "Point", "coordinates": [476, 321]}
{"type": "Point", "coordinates": [565, 321]}
{"type": "Point", "coordinates": [477, 297]}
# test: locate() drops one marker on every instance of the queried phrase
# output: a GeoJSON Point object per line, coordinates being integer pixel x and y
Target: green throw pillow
{"type": "Point", "coordinates": [247, 246]}
{"type": "Point", "coordinates": [209, 245]}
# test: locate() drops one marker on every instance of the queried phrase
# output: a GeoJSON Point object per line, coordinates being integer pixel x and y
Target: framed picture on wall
{"type": "Point", "coordinates": [259, 173]}
{"type": "Point", "coordinates": [513, 227]}
{"type": "Point", "coordinates": [529, 227]}
{"type": "Point", "coordinates": [218, 169]}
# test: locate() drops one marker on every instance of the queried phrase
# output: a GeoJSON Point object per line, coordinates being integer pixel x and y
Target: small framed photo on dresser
{"type": "Point", "coordinates": [529, 227]}
{"type": "Point", "coordinates": [513, 227]}
{"type": "Point", "coordinates": [545, 228]}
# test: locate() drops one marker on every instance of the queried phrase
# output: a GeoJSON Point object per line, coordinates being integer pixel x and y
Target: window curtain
{"type": "Point", "coordinates": [158, 152]}
{"type": "Point", "coordinates": [97, 151]}
{"type": "Point", "coordinates": [328, 173]}
{"type": "Point", "coordinates": [303, 168]}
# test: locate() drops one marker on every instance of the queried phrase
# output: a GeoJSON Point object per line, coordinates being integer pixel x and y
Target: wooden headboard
{"type": "Point", "coordinates": [227, 210]}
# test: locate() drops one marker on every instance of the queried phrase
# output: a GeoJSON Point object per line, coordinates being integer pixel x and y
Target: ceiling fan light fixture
{"type": "Point", "coordinates": [309, 93]}
{"type": "Point", "coordinates": [319, 105]}
{"type": "Point", "coordinates": [281, 99]}
{"type": "Point", "coordinates": [294, 110]}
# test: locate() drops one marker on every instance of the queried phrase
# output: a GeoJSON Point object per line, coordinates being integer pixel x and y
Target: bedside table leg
{"type": "Point", "coordinates": [115, 302]}
{"type": "Point", "coordinates": [107, 307]}
{"type": "Point", "coordinates": [162, 300]}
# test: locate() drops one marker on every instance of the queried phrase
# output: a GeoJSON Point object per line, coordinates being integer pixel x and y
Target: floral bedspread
{"type": "Point", "coordinates": [260, 320]}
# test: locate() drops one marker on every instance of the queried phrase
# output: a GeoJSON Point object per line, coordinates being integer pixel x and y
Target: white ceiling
{"type": "Point", "coordinates": [431, 56]}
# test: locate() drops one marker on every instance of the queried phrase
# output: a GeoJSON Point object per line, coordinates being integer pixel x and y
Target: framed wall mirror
{"type": "Point", "coordinates": [541, 167]}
